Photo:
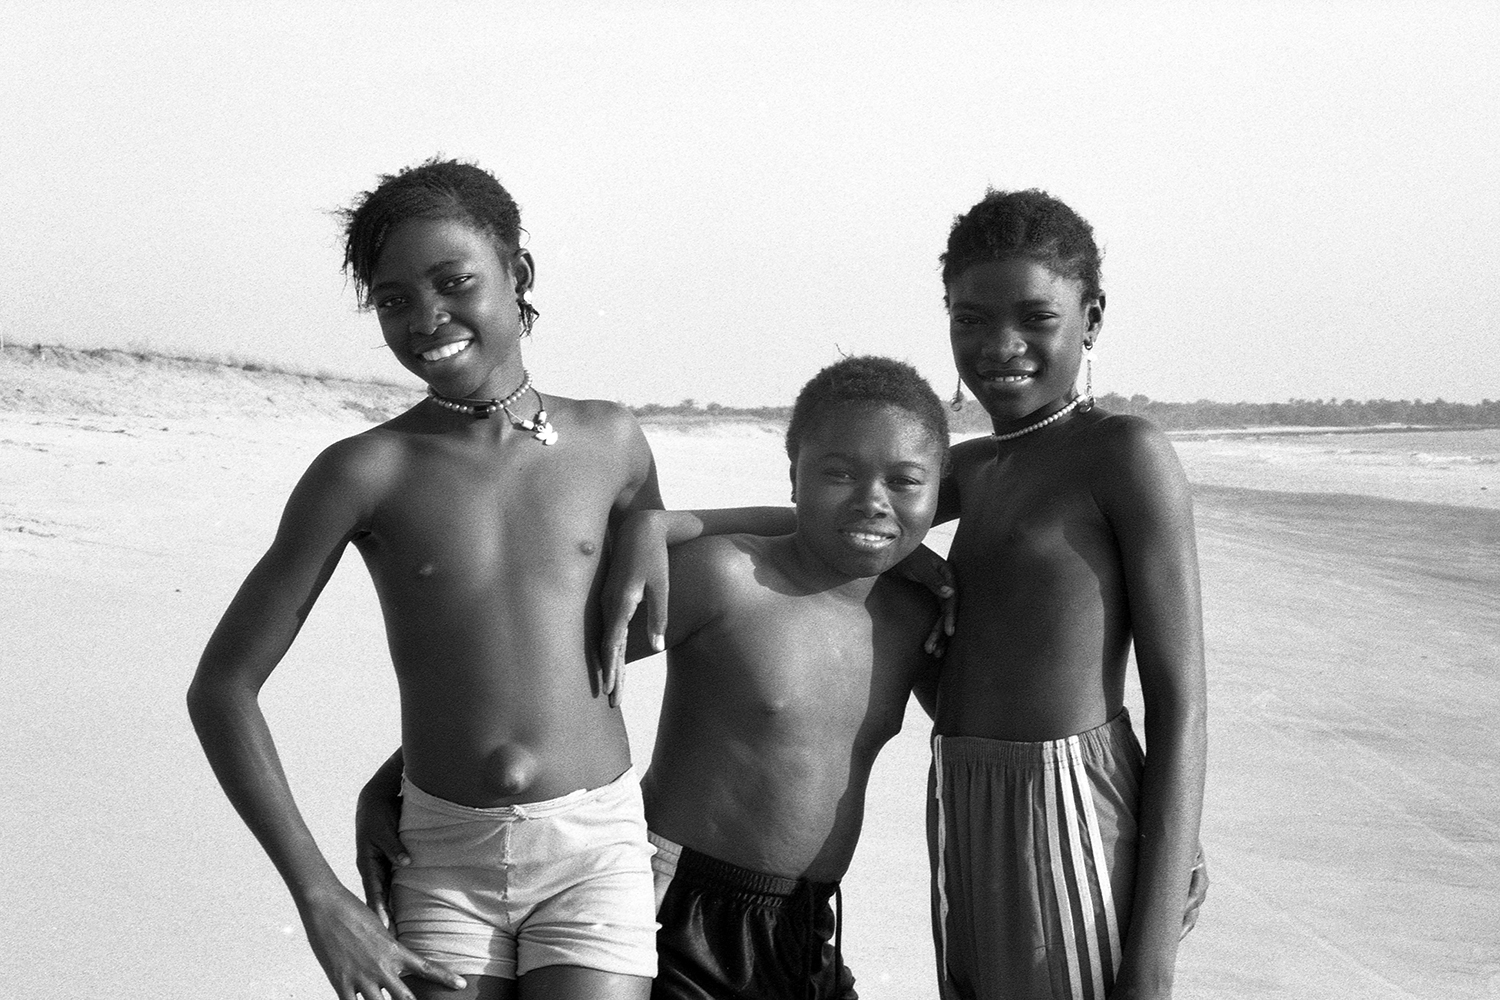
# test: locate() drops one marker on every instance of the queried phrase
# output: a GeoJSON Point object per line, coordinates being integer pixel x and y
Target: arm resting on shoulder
{"type": "Point", "coordinates": [638, 570]}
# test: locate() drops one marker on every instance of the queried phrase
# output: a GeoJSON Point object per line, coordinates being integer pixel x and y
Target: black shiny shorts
{"type": "Point", "coordinates": [728, 932]}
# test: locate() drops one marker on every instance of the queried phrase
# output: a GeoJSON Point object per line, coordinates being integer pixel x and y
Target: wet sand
{"type": "Point", "coordinates": [1353, 815]}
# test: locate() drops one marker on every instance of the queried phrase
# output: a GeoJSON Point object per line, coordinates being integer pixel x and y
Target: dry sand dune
{"type": "Point", "coordinates": [1350, 587]}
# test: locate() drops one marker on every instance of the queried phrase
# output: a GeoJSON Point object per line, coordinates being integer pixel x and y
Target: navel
{"type": "Point", "coordinates": [424, 571]}
{"type": "Point", "coordinates": [588, 547]}
{"type": "Point", "coordinates": [511, 771]}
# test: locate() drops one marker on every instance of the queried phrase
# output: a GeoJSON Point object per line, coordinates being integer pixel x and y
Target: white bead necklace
{"type": "Point", "coordinates": [1086, 402]}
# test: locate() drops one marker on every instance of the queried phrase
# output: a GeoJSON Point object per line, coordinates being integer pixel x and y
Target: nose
{"type": "Point", "coordinates": [426, 318]}
{"type": "Point", "coordinates": [1006, 343]}
{"type": "Point", "coordinates": [872, 500]}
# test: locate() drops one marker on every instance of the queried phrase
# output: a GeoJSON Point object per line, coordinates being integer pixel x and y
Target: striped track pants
{"type": "Point", "coordinates": [1032, 847]}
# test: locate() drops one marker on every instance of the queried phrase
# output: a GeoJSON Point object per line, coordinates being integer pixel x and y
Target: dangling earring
{"type": "Point", "coordinates": [1088, 375]}
{"type": "Point", "coordinates": [528, 315]}
{"type": "Point", "coordinates": [957, 402]}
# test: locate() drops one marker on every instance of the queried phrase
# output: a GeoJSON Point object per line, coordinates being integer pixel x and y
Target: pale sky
{"type": "Point", "coordinates": [1295, 200]}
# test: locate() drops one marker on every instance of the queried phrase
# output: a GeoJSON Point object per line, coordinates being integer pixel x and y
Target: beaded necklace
{"type": "Point", "coordinates": [480, 409]}
{"type": "Point", "coordinates": [1086, 403]}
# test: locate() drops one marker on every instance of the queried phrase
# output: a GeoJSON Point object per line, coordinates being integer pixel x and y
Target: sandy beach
{"type": "Point", "coordinates": [1352, 605]}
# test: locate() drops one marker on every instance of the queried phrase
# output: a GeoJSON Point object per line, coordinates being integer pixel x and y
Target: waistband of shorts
{"type": "Point", "coordinates": [1112, 737]}
{"type": "Point", "coordinates": [520, 810]}
{"type": "Point", "coordinates": [709, 872]}
{"type": "Point", "coordinates": [669, 851]}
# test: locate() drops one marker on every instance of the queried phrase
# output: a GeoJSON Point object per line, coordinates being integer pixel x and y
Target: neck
{"type": "Point", "coordinates": [479, 406]}
{"type": "Point", "coordinates": [1034, 422]}
{"type": "Point", "coordinates": [818, 577]}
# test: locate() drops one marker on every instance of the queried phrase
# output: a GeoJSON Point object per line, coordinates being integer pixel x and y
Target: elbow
{"type": "Point", "coordinates": [199, 701]}
{"type": "Point", "coordinates": [209, 699]}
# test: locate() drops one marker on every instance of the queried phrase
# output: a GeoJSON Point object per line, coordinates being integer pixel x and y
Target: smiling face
{"type": "Point", "coordinates": [1018, 330]}
{"type": "Point", "coordinates": [446, 302]}
{"type": "Point", "coordinates": [866, 483]}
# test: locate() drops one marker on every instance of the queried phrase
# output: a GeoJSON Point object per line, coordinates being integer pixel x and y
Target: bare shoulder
{"type": "Point", "coordinates": [1129, 459]}
{"type": "Point", "coordinates": [598, 418]}
{"type": "Point", "coordinates": [905, 602]}
{"type": "Point", "coordinates": [739, 568]}
{"type": "Point", "coordinates": [967, 454]}
{"type": "Point", "coordinates": [609, 432]}
{"type": "Point", "coordinates": [364, 462]}
{"type": "Point", "coordinates": [712, 576]}
{"type": "Point", "coordinates": [903, 613]}
{"type": "Point", "coordinates": [718, 562]}
{"type": "Point", "coordinates": [340, 492]}
{"type": "Point", "coordinates": [965, 459]}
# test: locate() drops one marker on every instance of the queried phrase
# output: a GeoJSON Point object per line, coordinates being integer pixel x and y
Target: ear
{"type": "Point", "coordinates": [792, 474]}
{"type": "Point", "coordinates": [1093, 313]}
{"type": "Point", "coordinates": [523, 269]}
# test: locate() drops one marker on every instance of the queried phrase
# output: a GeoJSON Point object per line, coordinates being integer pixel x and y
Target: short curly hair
{"type": "Point", "coordinates": [871, 381]}
{"type": "Point", "coordinates": [434, 189]}
{"type": "Point", "coordinates": [1030, 224]}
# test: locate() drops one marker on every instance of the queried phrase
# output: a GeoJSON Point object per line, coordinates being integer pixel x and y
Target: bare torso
{"type": "Point", "coordinates": [486, 551]}
{"type": "Point", "coordinates": [777, 704]}
{"type": "Point", "coordinates": [1043, 633]}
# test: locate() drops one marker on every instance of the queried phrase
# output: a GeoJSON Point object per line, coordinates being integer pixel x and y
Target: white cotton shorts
{"type": "Point", "coordinates": [504, 890]}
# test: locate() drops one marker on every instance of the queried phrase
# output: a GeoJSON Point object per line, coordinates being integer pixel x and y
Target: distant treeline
{"type": "Point", "coordinates": [1201, 415]}
{"type": "Point", "coordinates": [1208, 415]}
{"type": "Point", "coordinates": [692, 408]}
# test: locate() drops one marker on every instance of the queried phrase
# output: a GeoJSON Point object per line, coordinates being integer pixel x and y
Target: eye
{"type": "Point", "coordinates": [1040, 318]}
{"type": "Point", "coordinates": [455, 282]}
{"type": "Point", "coordinates": [390, 302]}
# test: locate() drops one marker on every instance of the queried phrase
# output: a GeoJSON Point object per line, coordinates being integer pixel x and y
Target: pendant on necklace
{"type": "Point", "coordinates": [540, 427]}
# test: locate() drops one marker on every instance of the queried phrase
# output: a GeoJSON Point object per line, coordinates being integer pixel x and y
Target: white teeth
{"type": "Point", "coordinates": [865, 538]}
{"type": "Point", "coordinates": [446, 351]}
{"type": "Point", "coordinates": [1009, 378]}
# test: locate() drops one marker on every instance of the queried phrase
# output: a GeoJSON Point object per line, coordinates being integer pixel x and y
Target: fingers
{"type": "Point", "coordinates": [617, 687]}
{"type": "Point", "coordinates": [419, 966]}
{"type": "Point", "coordinates": [1189, 921]}
{"type": "Point", "coordinates": [388, 976]}
{"type": "Point", "coordinates": [371, 990]}
{"type": "Point", "coordinates": [1198, 883]}
{"type": "Point", "coordinates": [609, 673]}
{"type": "Point", "coordinates": [616, 634]}
{"type": "Point", "coordinates": [947, 592]}
{"type": "Point", "coordinates": [383, 843]}
{"type": "Point", "coordinates": [656, 614]}
{"type": "Point", "coordinates": [375, 860]}
{"type": "Point", "coordinates": [1197, 893]}
{"type": "Point", "coordinates": [937, 639]}
{"type": "Point", "coordinates": [374, 873]}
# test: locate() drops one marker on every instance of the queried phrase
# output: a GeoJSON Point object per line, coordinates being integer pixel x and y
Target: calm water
{"type": "Point", "coordinates": [1448, 467]}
